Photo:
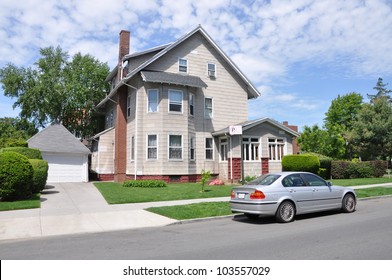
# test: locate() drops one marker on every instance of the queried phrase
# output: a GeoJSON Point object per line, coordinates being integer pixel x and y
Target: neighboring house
{"type": "Point", "coordinates": [67, 156]}
{"type": "Point", "coordinates": [168, 115]}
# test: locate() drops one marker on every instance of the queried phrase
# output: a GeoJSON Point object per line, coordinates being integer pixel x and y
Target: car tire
{"type": "Point", "coordinates": [285, 212]}
{"type": "Point", "coordinates": [348, 203]}
{"type": "Point", "coordinates": [251, 216]}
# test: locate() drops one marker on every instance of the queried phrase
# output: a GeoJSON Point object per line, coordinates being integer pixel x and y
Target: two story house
{"type": "Point", "coordinates": [177, 109]}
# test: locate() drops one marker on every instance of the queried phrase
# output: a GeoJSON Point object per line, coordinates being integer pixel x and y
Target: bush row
{"type": "Point", "coordinates": [145, 184]}
{"type": "Point", "coordinates": [21, 176]}
{"type": "Point", "coordinates": [365, 169]}
{"type": "Point", "coordinates": [328, 168]}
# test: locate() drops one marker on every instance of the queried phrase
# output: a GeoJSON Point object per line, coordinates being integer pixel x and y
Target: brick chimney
{"type": "Point", "coordinates": [123, 50]}
{"type": "Point", "coordinates": [295, 144]}
{"type": "Point", "coordinates": [120, 142]}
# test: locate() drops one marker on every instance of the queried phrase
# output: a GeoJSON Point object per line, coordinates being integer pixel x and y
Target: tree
{"type": "Point", "coordinates": [15, 130]}
{"type": "Point", "coordinates": [381, 91]}
{"type": "Point", "coordinates": [314, 139]}
{"type": "Point", "coordinates": [372, 132]}
{"type": "Point", "coordinates": [339, 121]}
{"type": "Point", "coordinates": [58, 89]}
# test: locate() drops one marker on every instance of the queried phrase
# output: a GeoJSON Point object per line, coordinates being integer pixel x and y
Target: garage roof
{"type": "Point", "coordinates": [57, 139]}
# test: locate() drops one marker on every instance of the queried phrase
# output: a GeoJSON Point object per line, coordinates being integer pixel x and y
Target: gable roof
{"type": "Point", "coordinates": [57, 139]}
{"type": "Point", "coordinates": [252, 90]}
{"type": "Point", "coordinates": [250, 124]}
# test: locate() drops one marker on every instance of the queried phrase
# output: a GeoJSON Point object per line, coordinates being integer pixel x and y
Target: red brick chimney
{"type": "Point", "coordinates": [120, 142]}
{"type": "Point", "coordinates": [295, 144]}
{"type": "Point", "coordinates": [123, 50]}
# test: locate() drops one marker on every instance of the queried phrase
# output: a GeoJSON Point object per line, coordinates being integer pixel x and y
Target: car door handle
{"type": "Point", "coordinates": [291, 191]}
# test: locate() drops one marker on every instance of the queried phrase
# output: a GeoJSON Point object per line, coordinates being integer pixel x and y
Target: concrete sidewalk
{"type": "Point", "coordinates": [72, 208]}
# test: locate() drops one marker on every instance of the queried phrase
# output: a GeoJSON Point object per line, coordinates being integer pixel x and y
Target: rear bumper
{"type": "Point", "coordinates": [260, 208]}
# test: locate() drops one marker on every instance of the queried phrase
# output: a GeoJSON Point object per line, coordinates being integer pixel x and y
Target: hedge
{"type": "Point", "coordinates": [40, 175]}
{"type": "Point", "coordinates": [27, 152]}
{"type": "Point", "coordinates": [302, 162]}
{"type": "Point", "coordinates": [364, 169]}
{"type": "Point", "coordinates": [16, 174]}
{"type": "Point", "coordinates": [145, 184]}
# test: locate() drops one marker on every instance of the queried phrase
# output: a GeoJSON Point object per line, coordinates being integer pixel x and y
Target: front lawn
{"type": "Point", "coordinates": [192, 211]}
{"type": "Point", "coordinates": [115, 193]}
{"type": "Point", "coordinates": [360, 181]}
{"type": "Point", "coordinates": [377, 191]}
{"type": "Point", "coordinates": [33, 202]}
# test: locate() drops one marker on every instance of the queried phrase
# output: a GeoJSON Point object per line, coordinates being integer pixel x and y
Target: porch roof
{"type": "Point", "coordinates": [173, 79]}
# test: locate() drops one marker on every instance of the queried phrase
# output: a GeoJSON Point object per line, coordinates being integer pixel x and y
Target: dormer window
{"type": "Point", "coordinates": [182, 65]}
{"type": "Point", "coordinates": [211, 70]}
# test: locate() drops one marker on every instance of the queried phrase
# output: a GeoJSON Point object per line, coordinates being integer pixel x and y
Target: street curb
{"type": "Point", "coordinates": [190, 221]}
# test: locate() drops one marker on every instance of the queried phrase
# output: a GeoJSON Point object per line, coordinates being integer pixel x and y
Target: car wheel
{"type": "Point", "coordinates": [349, 203]}
{"type": "Point", "coordinates": [286, 212]}
{"type": "Point", "coordinates": [251, 216]}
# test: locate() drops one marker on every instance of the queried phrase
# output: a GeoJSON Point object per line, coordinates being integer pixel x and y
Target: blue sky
{"type": "Point", "coordinates": [300, 54]}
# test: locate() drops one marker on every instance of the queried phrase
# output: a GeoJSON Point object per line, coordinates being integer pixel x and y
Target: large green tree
{"type": "Point", "coordinates": [58, 89]}
{"type": "Point", "coordinates": [372, 132]}
{"type": "Point", "coordinates": [339, 121]}
{"type": "Point", "coordinates": [14, 131]}
{"type": "Point", "coordinates": [314, 139]}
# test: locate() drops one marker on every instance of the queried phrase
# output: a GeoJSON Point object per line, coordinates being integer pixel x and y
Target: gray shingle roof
{"type": "Point", "coordinates": [57, 139]}
{"type": "Point", "coordinates": [173, 79]}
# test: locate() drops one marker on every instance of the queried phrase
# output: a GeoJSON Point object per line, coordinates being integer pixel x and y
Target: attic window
{"type": "Point", "coordinates": [182, 65]}
{"type": "Point", "coordinates": [211, 70]}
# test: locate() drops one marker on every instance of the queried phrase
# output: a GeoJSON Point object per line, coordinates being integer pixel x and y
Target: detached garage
{"type": "Point", "coordinates": [66, 155]}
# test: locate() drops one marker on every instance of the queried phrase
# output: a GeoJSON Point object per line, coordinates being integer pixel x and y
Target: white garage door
{"type": "Point", "coordinates": [66, 168]}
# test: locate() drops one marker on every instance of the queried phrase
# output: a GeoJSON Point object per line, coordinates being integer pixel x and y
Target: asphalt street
{"type": "Point", "coordinates": [363, 235]}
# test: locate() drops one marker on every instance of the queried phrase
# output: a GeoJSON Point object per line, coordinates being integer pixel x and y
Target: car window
{"type": "Point", "coordinates": [314, 180]}
{"type": "Point", "coordinates": [264, 180]}
{"type": "Point", "coordinates": [293, 180]}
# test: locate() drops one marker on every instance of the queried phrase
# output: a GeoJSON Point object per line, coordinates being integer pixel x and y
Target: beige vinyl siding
{"type": "Point", "coordinates": [102, 161]}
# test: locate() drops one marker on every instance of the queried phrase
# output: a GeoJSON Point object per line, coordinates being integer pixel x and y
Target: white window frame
{"type": "Point", "coordinates": [211, 73]}
{"type": "Point", "coordinates": [211, 149]}
{"type": "Point", "coordinates": [148, 147]}
{"type": "Point", "coordinates": [175, 147]}
{"type": "Point", "coordinates": [128, 105]}
{"type": "Point", "coordinates": [191, 104]}
{"type": "Point", "coordinates": [208, 115]}
{"type": "Point", "coordinates": [153, 90]}
{"type": "Point", "coordinates": [182, 65]}
{"type": "Point", "coordinates": [175, 103]}
{"type": "Point", "coordinates": [276, 148]}
{"type": "Point", "coordinates": [223, 149]}
{"type": "Point", "coordinates": [252, 148]}
{"type": "Point", "coordinates": [192, 148]}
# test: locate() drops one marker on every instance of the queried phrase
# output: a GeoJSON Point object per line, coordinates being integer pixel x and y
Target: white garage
{"type": "Point", "coordinates": [66, 155]}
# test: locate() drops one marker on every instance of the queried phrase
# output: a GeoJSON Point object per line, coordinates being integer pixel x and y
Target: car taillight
{"type": "Point", "coordinates": [232, 194]}
{"type": "Point", "coordinates": [257, 195]}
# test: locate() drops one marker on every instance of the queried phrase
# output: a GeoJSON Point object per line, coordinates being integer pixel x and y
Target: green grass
{"type": "Point", "coordinates": [192, 211]}
{"type": "Point", "coordinates": [377, 191]}
{"type": "Point", "coordinates": [33, 202]}
{"type": "Point", "coordinates": [360, 181]}
{"type": "Point", "coordinates": [115, 193]}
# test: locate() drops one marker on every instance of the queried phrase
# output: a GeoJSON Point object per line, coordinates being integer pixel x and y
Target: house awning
{"type": "Point", "coordinates": [173, 79]}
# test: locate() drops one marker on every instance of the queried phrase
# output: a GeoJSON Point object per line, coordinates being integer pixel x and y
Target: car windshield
{"type": "Point", "coordinates": [264, 180]}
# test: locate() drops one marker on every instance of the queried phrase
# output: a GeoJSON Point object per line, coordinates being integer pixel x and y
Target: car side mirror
{"type": "Point", "coordinates": [329, 184]}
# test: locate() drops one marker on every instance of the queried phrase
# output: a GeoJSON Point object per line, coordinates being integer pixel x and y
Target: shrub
{"type": "Point", "coordinates": [16, 143]}
{"type": "Point", "coordinates": [40, 175]}
{"type": "Point", "coordinates": [16, 174]}
{"type": "Point", "coordinates": [145, 184]}
{"type": "Point", "coordinates": [27, 152]}
{"type": "Point", "coordinates": [303, 162]}
{"type": "Point", "coordinates": [356, 169]}
{"type": "Point", "coordinates": [216, 182]}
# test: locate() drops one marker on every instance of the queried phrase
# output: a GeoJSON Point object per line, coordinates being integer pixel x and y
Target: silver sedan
{"type": "Point", "coordinates": [287, 194]}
